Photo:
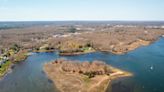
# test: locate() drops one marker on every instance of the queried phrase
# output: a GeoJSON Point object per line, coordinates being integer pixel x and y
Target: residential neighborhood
{"type": "Point", "coordinates": [10, 56]}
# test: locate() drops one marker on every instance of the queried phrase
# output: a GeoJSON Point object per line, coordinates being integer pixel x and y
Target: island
{"type": "Point", "coordinates": [76, 76]}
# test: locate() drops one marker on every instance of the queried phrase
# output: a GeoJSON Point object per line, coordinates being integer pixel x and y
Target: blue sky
{"type": "Point", "coordinates": [35, 10]}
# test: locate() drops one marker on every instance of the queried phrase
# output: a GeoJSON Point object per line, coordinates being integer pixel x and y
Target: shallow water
{"type": "Point", "coordinates": [146, 63]}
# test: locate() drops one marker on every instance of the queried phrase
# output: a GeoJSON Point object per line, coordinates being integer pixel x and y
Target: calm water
{"type": "Point", "coordinates": [28, 76]}
{"type": "Point", "coordinates": [146, 63]}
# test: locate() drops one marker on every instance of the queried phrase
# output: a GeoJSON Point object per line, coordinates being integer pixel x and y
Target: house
{"type": "Point", "coordinates": [162, 27]}
{"type": "Point", "coordinates": [162, 35]}
{"type": "Point", "coordinates": [44, 46]}
{"type": "Point", "coordinates": [2, 62]}
{"type": "Point", "coordinates": [11, 52]}
{"type": "Point", "coordinates": [3, 59]}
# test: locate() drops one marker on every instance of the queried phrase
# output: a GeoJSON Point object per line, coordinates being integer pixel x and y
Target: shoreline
{"type": "Point", "coordinates": [129, 48]}
{"type": "Point", "coordinates": [81, 53]}
{"type": "Point", "coordinates": [145, 43]}
{"type": "Point", "coordinates": [16, 60]}
{"type": "Point", "coordinates": [76, 53]}
{"type": "Point", "coordinates": [8, 71]}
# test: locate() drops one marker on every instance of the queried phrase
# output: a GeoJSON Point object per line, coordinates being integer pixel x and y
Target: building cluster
{"type": "Point", "coordinates": [3, 58]}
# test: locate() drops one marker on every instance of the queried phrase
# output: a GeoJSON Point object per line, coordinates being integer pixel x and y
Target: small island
{"type": "Point", "coordinates": [75, 76]}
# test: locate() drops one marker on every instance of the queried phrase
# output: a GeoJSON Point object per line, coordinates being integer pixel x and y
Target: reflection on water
{"type": "Point", "coordinates": [146, 63]}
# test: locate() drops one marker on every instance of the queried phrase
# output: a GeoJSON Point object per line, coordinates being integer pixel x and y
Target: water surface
{"type": "Point", "coordinates": [28, 76]}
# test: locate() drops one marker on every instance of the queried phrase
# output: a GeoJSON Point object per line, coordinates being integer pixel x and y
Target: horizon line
{"type": "Point", "coordinates": [82, 21]}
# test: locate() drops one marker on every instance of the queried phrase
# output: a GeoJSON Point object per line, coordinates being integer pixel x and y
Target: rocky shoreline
{"type": "Point", "coordinates": [75, 76]}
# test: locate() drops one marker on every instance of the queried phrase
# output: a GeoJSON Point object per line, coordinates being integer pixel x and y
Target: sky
{"type": "Point", "coordinates": [63, 10]}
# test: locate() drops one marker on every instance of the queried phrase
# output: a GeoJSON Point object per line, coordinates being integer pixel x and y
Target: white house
{"type": "Point", "coordinates": [2, 62]}
{"type": "Point", "coordinates": [162, 27]}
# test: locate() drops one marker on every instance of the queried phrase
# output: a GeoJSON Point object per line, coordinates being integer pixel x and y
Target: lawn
{"type": "Point", "coordinates": [4, 68]}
